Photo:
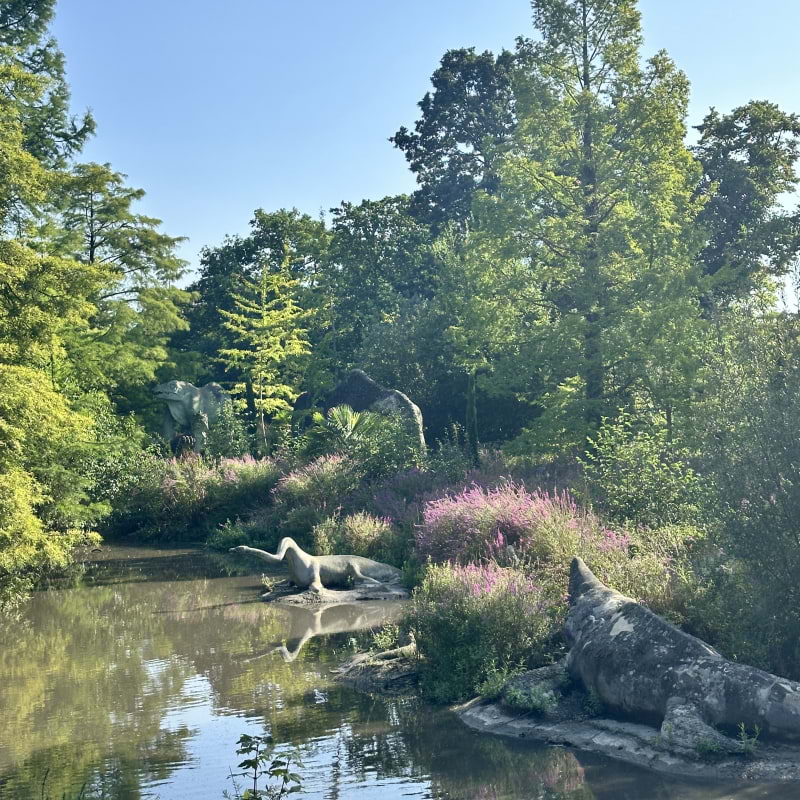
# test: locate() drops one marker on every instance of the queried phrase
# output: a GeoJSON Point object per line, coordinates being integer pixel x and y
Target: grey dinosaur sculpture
{"type": "Point", "coordinates": [361, 393]}
{"type": "Point", "coordinates": [640, 664]}
{"type": "Point", "coordinates": [317, 572]}
{"type": "Point", "coordinates": [190, 408]}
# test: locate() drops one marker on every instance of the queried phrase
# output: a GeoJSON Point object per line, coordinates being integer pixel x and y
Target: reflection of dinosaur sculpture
{"type": "Point", "coordinates": [316, 572]}
{"type": "Point", "coordinates": [638, 663]}
{"type": "Point", "coordinates": [306, 623]}
{"type": "Point", "coordinates": [190, 408]}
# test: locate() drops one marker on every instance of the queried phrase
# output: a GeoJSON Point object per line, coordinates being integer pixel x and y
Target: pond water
{"type": "Point", "coordinates": [137, 682]}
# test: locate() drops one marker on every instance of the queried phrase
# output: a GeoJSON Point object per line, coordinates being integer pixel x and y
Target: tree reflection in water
{"type": "Point", "coordinates": [138, 682]}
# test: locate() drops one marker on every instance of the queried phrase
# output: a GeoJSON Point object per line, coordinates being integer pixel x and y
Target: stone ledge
{"type": "Point", "coordinates": [633, 743]}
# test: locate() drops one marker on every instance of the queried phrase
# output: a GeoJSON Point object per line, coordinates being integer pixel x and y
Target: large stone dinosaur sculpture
{"type": "Point", "coordinates": [640, 664]}
{"type": "Point", "coordinates": [190, 408]}
{"type": "Point", "coordinates": [317, 572]}
{"type": "Point", "coordinates": [361, 393]}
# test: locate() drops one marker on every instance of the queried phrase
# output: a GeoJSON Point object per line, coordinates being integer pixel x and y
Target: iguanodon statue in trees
{"type": "Point", "coordinates": [191, 409]}
{"type": "Point", "coordinates": [640, 664]}
{"type": "Point", "coordinates": [317, 572]}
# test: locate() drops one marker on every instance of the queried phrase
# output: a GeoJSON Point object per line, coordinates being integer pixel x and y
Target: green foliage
{"type": "Point", "coordinates": [359, 534]}
{"type": "Point", "coordinates": [27, 549]}
{"type": "Point", "coordinates": [260, 762]}
{"type": "Point", "coordinates": [640, 477]}
{"type": "Point", "coordinates": [465, 123]}
{"type": "Point", "coordinates": [594, 233]}
{"type": "Point", "coordinates": [471, 621]}
{"type": "Point", "coordinates": [746, 425]}
{"type": "Point", "coordinates": [387, 638]}
{"type": "Point", "coordinates": [535, 699]}
{"type": "Point", "coordinates": [379, 444]}
{"type": "Point", "coordinates": [748, 743]}
{"type": "Point", "coordinates": [270, 342]}
{"type": "Point", "coordinates": [491, 687]}
{"type": "Point", "coordinates": [322, 484]}
{"type": "Point", "coordinates": [227, 437]}
{"type": "Point", "coordinates": [340, 430]}
{"type": "Point", "coordinates": [593, 704]}
{"type": "Point", "coordinates": [188, 499]}
{"type": "Point", "coordinates": [749, 161]}
{"type": "Point", "coordinates": [708, 748]}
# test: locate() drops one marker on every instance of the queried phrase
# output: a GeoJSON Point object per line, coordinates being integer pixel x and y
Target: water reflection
{"type": "Point", "coordinates": [307, 623]}
{"type": "Point", "coordinates": [137, 684]}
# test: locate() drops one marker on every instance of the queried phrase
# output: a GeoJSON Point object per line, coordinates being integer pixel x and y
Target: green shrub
{"type": "Point", "coordinates": [472, 620]}
{"type": "Point", "coordinates": [27, 548]}
{"type": "Point", "coordinates": [227, 437]}
{"type": "Point", "coordinates": [230, 533]}
{"type": "Point", "coordinates": [322, 485]}
{"type": "Point", "coordinates": [491, 687]}
{"type": "Point", "coordinates": [531, 698]}
{"type": "Point", "coordinates": [187, 499]}
{"type": "Point", "coordinates": [641, 478]}
{"type": "Point", "coordinates": [379, 444]}
{"type": "Point", "coordinates": [359, 534]}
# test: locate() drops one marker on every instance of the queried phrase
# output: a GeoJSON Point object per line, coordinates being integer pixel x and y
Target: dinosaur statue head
{"type": "Point", "coordinates": [173, 391]}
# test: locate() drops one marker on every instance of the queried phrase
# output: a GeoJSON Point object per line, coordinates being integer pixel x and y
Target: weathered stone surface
{"type": "Point", "coordinates": [362, 393]}
{"type": "Point", "coordinates": [635, 744]}
{"type": "Point", "coordinates": [638, 663]}
{"type": "Point", "coordinates": [315, 573]}
{"type": "Point", "coordinates": [190, 409]}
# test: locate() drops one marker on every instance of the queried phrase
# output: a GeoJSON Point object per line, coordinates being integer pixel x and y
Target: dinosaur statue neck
{"type": "Point", "coordinates": [291, 551]}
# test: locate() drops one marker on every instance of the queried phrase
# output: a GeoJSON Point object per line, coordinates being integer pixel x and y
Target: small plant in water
{"type": "Point", "coordinates": [748, 743]}
{"type": "Point", "coordinates": [269, 582]}
{"type": "Point", "coordinates": [260, 763]}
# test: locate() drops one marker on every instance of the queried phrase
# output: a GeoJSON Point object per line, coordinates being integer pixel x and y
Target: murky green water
{"type": "Point", "coordinates": [138, 682]}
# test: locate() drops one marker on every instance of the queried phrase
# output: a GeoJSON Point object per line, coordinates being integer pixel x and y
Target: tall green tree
{"type": "Point", "coordinates": [379, 255]}
{"type": "Point", "coordinates": [138, 306]}
{"type": "Point", "coordinates": [598, 207]}
{"type": "Point", "coordinates": [464, 125]}
{"type": "Point", "coordinates": [271, 340]}
{"type": "Point", "coordinates": [749, 161]}
{"type": "Point", "coordinates": [225, 271]}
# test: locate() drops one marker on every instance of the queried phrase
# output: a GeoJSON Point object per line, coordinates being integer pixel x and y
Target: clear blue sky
{"type": "Point", "coordinates": [218, 108]}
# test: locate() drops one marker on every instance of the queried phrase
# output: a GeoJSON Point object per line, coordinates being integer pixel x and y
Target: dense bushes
{"type": "Point", "coordinates": [186, 499]}
{"type": "Point", "coordinates": [469, 620]}
{"type": "Point", "coordinates": [492, 551]}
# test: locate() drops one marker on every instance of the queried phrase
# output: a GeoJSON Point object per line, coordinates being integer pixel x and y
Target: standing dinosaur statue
{"type": "Point", "coordinates": [191, 409]}
{"type": "Point", "coordinates": [317, 572]}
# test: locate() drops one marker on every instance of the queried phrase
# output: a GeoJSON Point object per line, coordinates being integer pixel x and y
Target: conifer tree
{"type": "Point", "coordinates": [268, 326]}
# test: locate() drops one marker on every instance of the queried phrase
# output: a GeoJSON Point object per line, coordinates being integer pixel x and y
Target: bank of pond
{"type": "Point", "coordinates": [137, 680]}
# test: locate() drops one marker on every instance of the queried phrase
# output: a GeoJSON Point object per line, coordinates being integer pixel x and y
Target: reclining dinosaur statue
{"type": "Point", "coordinates": [317, 572]}
{"type": "Point", "coordinates": [191, 409]}
{"type": "Point", "coordinates": [640, 664]}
